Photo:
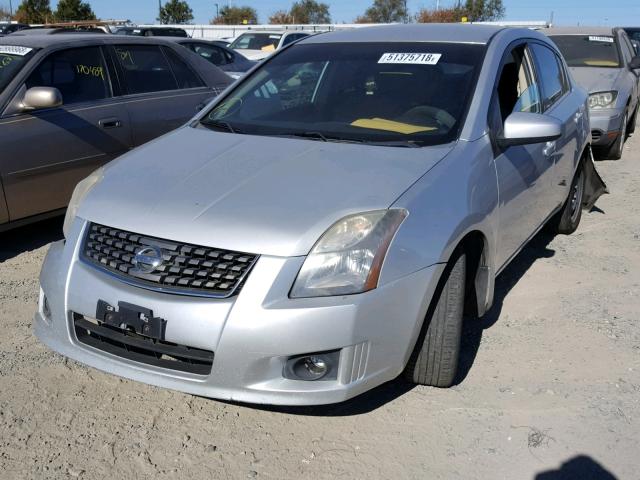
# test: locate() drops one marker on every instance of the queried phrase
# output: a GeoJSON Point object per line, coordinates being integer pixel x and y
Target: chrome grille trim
{"type": "Point", "coordinates": [171, 251]}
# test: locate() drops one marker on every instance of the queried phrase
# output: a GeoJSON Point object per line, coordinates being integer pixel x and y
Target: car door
{"type": "Point", "coordinates": [52, 149]}
{"type": "Point", "coordinates": [163, 92]}
{"type": "Point", "coordinates": [521, 170]}
{"type": "Point", "coordinates": [628, 54]}
{"type": "Point", "coordinates": [558, 102]}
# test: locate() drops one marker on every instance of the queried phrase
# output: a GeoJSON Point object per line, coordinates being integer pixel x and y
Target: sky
{"type": "Point", "coordinates": [565, 12]}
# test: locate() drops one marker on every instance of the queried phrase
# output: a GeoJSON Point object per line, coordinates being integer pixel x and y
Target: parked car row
{"type": "Point", "coordinates": [324, 224]}
{"type": "Point", "coordinates": [71, 103]}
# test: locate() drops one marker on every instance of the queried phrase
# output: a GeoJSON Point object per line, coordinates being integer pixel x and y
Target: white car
{"type": "Point", "coordinates": [259, 45]}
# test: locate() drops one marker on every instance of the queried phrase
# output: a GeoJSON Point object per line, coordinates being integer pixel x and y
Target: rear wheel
{"type": "Point", "coordinates": [616, 149]}
{"type": "Point", "coordinates": [568, 218]}
{"type": "Point", "coordinates": [434, 360]}
{"type": "Point", "coordinates": [632, 122]}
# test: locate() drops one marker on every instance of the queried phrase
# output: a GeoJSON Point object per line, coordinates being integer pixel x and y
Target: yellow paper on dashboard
{"type": "Point", "coordinates": [390, 126]}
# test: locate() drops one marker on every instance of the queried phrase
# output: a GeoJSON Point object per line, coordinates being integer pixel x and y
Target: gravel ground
{"type": "Point", "coordinates": [550, 384]}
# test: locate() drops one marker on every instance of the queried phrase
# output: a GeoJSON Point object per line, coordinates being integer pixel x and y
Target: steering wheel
{"type": "Point", "coordinates": [441, 117]}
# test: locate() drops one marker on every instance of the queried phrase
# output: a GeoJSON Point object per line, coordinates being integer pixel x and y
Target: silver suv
{"type": "Point", "coordinates": [325, 224]}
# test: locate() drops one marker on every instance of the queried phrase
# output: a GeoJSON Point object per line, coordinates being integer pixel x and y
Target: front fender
{"type": "Point", "coordinates": [457, 196]}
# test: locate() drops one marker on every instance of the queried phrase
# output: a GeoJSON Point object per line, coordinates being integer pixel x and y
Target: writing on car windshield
{"type": "Point", "coordinates": [588, 50]}
{"type": "Point", "coordinates": [355, 92]}
{"type": "Point", "coordinates": [12, 58]}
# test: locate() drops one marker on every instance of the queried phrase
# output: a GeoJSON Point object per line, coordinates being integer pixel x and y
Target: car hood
{"type": "Point", "coordinates": [265, 195]}
{"type": "Point", "coordinates": [596, 79]}
{"type": "Point", "coordinates": [255, 54]}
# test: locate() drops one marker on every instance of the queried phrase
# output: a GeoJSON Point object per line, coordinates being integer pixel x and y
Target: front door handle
{"type": "Point", "coordinates": [110, 123]}
{"type": "Point", "coordinates": [549, 149]}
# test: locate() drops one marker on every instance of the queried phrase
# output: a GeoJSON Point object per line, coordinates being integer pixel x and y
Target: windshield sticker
{"type": "Point", "coordinates": [601, 39]}
{"type": "Point", "coordinates": [95, 71]}
{"type": "Point", "coordinates": [277, 37]}
{"type": "Point", "coordinates": [14, 50]}
{"type": "Point", "coordinates": [5, 60]}
{"type": "Point", "coordinates": [411, 58]}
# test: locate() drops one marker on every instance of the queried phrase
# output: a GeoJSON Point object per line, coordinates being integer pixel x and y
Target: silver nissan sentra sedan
{"type": "Point", "coordinates": [324, 225]}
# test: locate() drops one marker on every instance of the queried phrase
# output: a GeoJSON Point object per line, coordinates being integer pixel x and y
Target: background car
{"type": "Point", "coordinates": [151, 31]}
{"type": "Point", "coordinates": [228, 60]}
{"type": "Point", "coordinates": [70, 103]}
{"type": "Point", "coordinates": [56, 30]}
{"type": "Point", "coordinates": [327, 222]}
{"type": "Point", "coordinates": [603, 61]}
{"type": "Point", "coordinates": [634, 36]}
{"type": "Point", "coordinates": [7, 28]}
{"type": "Point", "coordinates": [259, 45]}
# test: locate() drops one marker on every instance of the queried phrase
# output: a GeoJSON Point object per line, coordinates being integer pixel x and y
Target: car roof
{"type": "Point", "coordinates": [434, 32]}
{"type": "Point", "coordinates": [44, 41]}
{"type": "Point", "coordinates": [579, 31]}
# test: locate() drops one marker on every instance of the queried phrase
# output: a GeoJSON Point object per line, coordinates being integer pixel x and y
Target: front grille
{"type": "Point", "coordinates": [186, 269]}
{"type": "Point", "coordinates": [142, 349]}
{"type": "Point", "coordinates": [595, 135]}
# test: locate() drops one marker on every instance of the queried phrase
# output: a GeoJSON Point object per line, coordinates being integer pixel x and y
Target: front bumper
{"type": "Point", "coordinates": [252, 335]}
{"type": "Point", "coordinates": [605, 126]}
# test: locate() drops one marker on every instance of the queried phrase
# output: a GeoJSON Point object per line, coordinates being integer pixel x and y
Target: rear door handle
{"type": "Point", "coordinates": [110, 123]}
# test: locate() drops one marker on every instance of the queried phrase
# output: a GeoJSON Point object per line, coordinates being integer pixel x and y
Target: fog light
{"type": "Point", "coordinates": [314, 366]}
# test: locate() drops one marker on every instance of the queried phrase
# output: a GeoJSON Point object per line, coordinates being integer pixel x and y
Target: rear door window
{"type": "Point", "coordinates": [185, 76]}
{"type": "Point", "coordinates": [550, 73]}
{"type": "Point", "coordinates": [145, 68]}
{"type": "Point", "coordinates": [80, 74]}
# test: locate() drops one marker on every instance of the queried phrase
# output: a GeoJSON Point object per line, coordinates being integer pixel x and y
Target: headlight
{"type": "Point", "coordinates": [79, 193]}
{"type": "Point", "coordinates": [602, 99]}
{"type": "Point", "coordinates": [348, 257]}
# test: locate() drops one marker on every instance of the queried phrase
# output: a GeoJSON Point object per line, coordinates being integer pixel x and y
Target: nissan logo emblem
{"type": "Point", "coordinates": [147, 259]}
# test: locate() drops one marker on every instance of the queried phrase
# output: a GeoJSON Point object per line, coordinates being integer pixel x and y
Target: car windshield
{"type": "Point", "coordinates": [588, 50]}
{"type": "Point", "coordinates": [399, 94]}
{"type": "Point", "coordinates": [257, 41]}
{"type": "Point", "coordinates": [12, 58]}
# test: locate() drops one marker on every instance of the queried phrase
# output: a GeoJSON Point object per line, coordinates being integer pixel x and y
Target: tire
{"type": "Point", "coordinates": [434, 360]}
{"type": "Point", "coordinates": [568, 218]}
{"type": "Point", "coordinates": [615, 150]}
{"type": "Point", "coordinates": [632, 122]}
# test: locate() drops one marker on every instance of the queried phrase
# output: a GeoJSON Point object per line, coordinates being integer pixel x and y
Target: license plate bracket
{"type": "Point", "coordinates": [131, 318]}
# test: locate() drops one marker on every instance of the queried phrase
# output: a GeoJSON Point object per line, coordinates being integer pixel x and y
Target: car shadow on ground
{"type": "Point", "coordinates": [473, 328]}
{"type": "Point", "coordinates": [472, 335]}
{"type": "Point", "coordinates": [30, 237]}
{"type": "Point", "coordinates": [581, 467]}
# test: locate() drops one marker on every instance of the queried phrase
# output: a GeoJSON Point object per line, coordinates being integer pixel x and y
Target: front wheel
{"type": "Point", "coordinates": [434, 360]}
{"type": "Point", "coordinates": [568, 218]}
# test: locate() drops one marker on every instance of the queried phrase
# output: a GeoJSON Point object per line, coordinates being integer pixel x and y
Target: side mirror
{"type": "Point", "coordinates": [37, 98]}
{"type": "Point", "coordinates": [522, 128]}
{"type": "Point", "coordinates": [634, 64]}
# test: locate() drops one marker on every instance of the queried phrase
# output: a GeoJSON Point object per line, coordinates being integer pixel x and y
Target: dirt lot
{"type": "Point", "coordinates": [550, 385]}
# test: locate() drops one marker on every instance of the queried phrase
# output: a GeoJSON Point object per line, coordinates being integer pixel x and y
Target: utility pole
{"type": "Point", "coordinates": [160, 11]}
{"type": "Point", "coordinates": [10, 11]}
{"type": "Point", "coordinates": [217, 10]}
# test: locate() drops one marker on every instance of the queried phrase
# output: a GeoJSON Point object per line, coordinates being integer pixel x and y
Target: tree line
{"type": "Point", "coordinates": [301, 12]}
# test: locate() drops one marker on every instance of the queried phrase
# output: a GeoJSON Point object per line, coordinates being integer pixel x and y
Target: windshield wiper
{"type": "Point", "coordinates": [324, 138]}
{"type": "Point", "coordinates": [220, 125]}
